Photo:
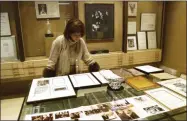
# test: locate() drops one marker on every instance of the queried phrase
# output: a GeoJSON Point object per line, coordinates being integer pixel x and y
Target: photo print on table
{"type": "Point", "coordinates": [110, 116]}
{"type": "Point", "coordinates": [44, 117]}
{"type": "Point", "coordinates": [64, 114]}
{"type": "Point", "coordinates": [153, 109]}
{"type": "Point", "coordinates": [42, 82]}
{"type": "Point", "coordinates": [105, 107]}
{"type": "Point", "coordinates": [127, 114]}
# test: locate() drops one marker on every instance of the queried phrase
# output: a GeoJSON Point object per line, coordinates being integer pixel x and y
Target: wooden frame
{"type": "Point", "coordinates": [99, 22]}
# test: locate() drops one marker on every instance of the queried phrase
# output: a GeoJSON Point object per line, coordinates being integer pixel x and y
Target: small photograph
{"type": "Point", "coordinates": [140, 99]}
{"type": "Point", "coordinates": [75, 115]}
{"type": "Point", "coordinates": [45, 117]}
{"type": "Point", "coordinates": [104, 107]}
{"type": "Point", "coordinates": [109, 116]}
{"type": "Point", "coordinates": [89, 112]}
{"type": "Point", "coordinates": [96, 111]}
{"type": "Point", "coordinates": [120, 104]}
{"type": "Point", "coordinates": [131, 42]}
{"type": "Point", "coordinates": [42, 9]}
{"type": "Point", "coordinates": [153, 109]}
{"type": "Point", "coordinates": [42, 82]}
{"type": "Point", "coordinates": [127, 114]}
{"type": "Point", "coordinates": [64, 114]}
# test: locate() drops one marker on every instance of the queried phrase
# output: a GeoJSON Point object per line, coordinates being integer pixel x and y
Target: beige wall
{"type": "Point", "coordinates": [174, 52]}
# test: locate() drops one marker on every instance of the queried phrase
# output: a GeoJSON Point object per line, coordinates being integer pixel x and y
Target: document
{"type": "Point", "coordinates": [100, 77]}
{"type": "Point", "coordinates": [5, 24]}
{"type": "Point", "coordinates": [131, 27]}
{"type": "Point", "coordinates": [151, 36]}
{"type": "Point", "coordinates": [142, 44]}
{"type": "Point", "coordinates": [148, 69]}
{"type": "Point", "coordinates": [148, 21]}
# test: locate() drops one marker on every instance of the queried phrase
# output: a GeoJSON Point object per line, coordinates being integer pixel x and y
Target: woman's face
{"type": "Point", "coordinates": [75, 36]}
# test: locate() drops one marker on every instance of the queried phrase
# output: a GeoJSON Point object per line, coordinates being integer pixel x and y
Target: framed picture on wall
{"type": "Point", "coordinates": [131, 43]}
{"type": "Point", "coordinates": [148, 21]}
{"type": "Point", "coordinates": [99, 22]}
{"type": "Point", "coordinates": [47, 9]}
{"type": "Point", "coordinates": [132, 8]}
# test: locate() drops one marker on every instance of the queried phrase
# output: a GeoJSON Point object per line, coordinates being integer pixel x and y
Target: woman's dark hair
{"type": "Point", "coordinates": [74, 26]}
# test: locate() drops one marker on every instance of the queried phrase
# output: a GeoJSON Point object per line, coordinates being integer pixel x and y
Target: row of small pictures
{"type": "Point", "coordinates": [145, 40]}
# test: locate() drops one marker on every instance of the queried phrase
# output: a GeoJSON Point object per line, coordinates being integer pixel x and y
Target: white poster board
{"type": "Point", "coordinates": [47, 9]}
{"type": "Point", "coordinates": [5, 25]}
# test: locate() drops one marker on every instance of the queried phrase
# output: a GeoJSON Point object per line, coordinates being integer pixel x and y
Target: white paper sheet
{"type": "Point", "coordinates": [50, 88]}
{"type": "Point", "coordinates": [148, 68]}
{"type": "Point", "coordinates": [147, 107]}
{"type": "Point", "coordinates": [83, 80]}
{"type": "Point", "coordinates": [151, 36]}
{"type": "Point", "coordinates": [142, 40]}
{"type": "Point", "coordinates": [148, 21]}
{"type": "Point", "coordinates": [100, 77]}
{"type": "Point", "coordinates": [168, 98]}
{"type": "Point", "coordinates": [5, 24]}
{"type": "Point", "coordinates": [131, 43]}
{"type": "Point", "coordinates": [131, 27]}
{"type": "Point", "coordinates": [177, 85]}
{"type": "Point", "coordinates": [108, 74]}
{"type": "Point", "coordinates": [163, 76]}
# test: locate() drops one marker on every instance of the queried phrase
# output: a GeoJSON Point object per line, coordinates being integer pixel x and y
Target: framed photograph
{"type": "Point", "coordinates": [151, 38]}
{"type": "Point", "coordinates": [99, 22]}
{"type": "Point", "coordinates": [8, 48]}
{"type": "Point", "coordinates": [132, 8]}
{"type": "Point", "coordinates": [148, 21]}
{"type": "Point", "coordinates": [47, 9]}
{"type": "Point", "coordinates": [5, 24]}
{"type": "Point", "coordinates": [131, 43]}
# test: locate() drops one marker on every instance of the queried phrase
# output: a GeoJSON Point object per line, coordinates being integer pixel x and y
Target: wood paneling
{"type": "Point", "coordinates": [34, 29]}
{"type": "Point", "coordinates": [174, 52]}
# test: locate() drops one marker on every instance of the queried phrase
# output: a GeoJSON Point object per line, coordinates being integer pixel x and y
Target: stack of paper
{"type": "Point", "coordinates": [101, 78]}
{"type": "Point", "coordinates": [177, 85]}
{"type": "Point", "coordinates": [162, 76]}
{"type": "Point", "coordinates": [50, 88]}
{"type": "Point", "coordinates": [141, 83]}
{"type": "Point", "coordinates": [148, 69]}
{"type": "Point", "coordinates": [83, 80]}
{"type": "Point", "coordinates": [135, 72]}
{"type": "Point", "coordinates": [108, 74]}
{"type": "Point", "coordinates": [168, 98]}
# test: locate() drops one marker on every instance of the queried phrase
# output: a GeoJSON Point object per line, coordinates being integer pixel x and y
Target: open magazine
{"type": "Point", "coordinates": [50, 88]}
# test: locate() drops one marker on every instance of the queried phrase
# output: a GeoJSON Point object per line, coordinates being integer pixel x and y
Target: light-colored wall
{"type": "Point", "coordinates": [174, 52]}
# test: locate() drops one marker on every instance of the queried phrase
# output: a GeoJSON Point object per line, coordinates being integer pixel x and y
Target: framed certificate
{"type": "Point", "coordinates": [131, 27]}
{"type": "Point", "coordinates": [148, 21]}
{"type": "Point", "coordinates": [151, 38]}
{"type": "Point", "coordinates": [142, 44]}
{"type": "Point", "coordinates": [5, 24]}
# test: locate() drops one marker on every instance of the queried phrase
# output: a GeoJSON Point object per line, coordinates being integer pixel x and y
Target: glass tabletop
{"type": "Point", "coordinates": [94, 97]}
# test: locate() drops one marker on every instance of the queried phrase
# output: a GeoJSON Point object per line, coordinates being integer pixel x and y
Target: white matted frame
{"type": "Point", "coordinates": [131, 43]}
{"type": "Point", "coordinates": [8, 48]}
{"type": "Point", "coordinates": [132, 8]}
{"type": "Point", "coordinates": [47, 9]}
{"type": "Point", "coordinates": [148, 21]}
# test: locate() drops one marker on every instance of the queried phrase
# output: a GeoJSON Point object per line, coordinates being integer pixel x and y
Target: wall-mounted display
{"type": "Point", "coordinates": [47, 9]}
{"type": "Point", "coordinates": [132, 8]}
{"type": "Point", "coordinates": [131, 27]}
{"type": "Point", "coordinates": [8, 48]}
{"type": "Point", "coordinates": [151, 38]}
{"type": "Point", "coordinates": [131, 43]}
{"type": "Point", "coordinates": [142, 43]}
{"type": "Point", "coordinates": [148, 21]}
{"type": "Point", "coordinates": [5, 25]}
{"type": "Point", "coordinates": [99, 22]}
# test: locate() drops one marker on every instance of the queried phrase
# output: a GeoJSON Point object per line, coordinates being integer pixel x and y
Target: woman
{"type": "Point", "coordinates": [67, 50]}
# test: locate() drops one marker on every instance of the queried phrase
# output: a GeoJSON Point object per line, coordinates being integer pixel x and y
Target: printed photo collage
{"type": "Point", "coordinates": [132, 108]}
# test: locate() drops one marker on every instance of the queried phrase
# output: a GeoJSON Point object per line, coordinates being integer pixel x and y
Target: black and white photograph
{"type": "Point", "coordinates": [127, 114]}
{"type": "Point", "coordinates": [47, 9]}
{"type": "Point", "coordinates": [132, 8]}
{"type": "Point", "coordinates": [153, 109]}
{"type": "Point", "coordinates": [63, 114]}
{"type": "Point", "coordinates": [140, 99]}
{"type": "Point", "coordinates": [109, 116]}
{"type": "Point", "coordinates": [105, 107]}
{"type": "Point", "coordinates": [42, 82]}
{"type": "Point", "coordinates": [131, 43]}
{"type": "Point", "coordinates": [99, 22]}
{"type": "Point", "coordinates": [44, 117]}
{"type": "Point", "coordinates": [42, 8]}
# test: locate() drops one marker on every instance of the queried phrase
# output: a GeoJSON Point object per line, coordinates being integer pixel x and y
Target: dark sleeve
{"type": "Point", "coordinates": [94, 67]}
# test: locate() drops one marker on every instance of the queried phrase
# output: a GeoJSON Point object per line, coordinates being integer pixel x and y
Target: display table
{"type": "Point", "coordinates": [89, 97]}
